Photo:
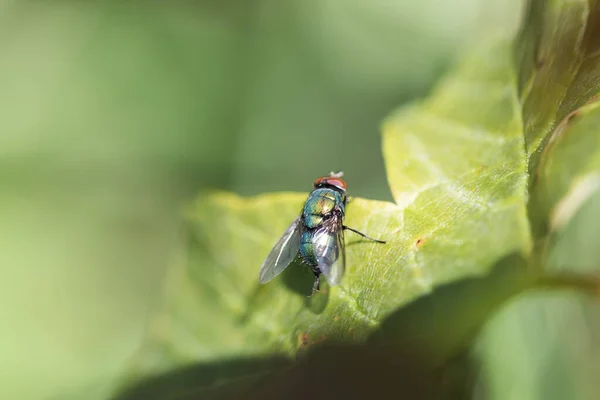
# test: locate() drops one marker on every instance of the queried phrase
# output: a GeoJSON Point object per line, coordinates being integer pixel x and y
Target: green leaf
{"type": "Point", "coordinates": [545, 344]}
{"type": "Point", "coordinates": [230, 238]}
{"type": "Point", "coordinates": [560, 74]}
{"type": "Point", "coordinates": [458, 233]}
{"type": "Point", "coordinates": [570, 169]}
{"type": "Point", "coordinates": [558, 55]}
{"type": "Point", "coordinates": [456, 167]}
{"type": "Point", "coordinates": [558, 331]}
{"type": "Point", "coordinates": [451, 220]}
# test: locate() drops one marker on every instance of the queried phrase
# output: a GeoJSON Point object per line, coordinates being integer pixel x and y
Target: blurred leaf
{"type": "Point", "coordinates": [559, 64]}
{"type": "Point", "coordinates": [570, 169]}
{"type": "Point", "coordinates": [559, 55]}
{"type": "Point", "coordinates": [545, 345]}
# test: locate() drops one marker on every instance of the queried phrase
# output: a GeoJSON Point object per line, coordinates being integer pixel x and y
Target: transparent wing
{"type": "Point", "coordinates": [282, 253]}
{"type": "Point", "coordinates": [332, 258]}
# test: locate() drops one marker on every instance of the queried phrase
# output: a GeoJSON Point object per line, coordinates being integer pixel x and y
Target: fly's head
{"type": "Point", "coordinates": [334, 181]}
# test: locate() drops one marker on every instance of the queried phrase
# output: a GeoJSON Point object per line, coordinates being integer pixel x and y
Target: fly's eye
{"type": "Point", "coordinates": [331, 181]}
{"type": "Point", "coordinates": [320, 181]}
{"type": "Point", "coordinates": [337, 182]}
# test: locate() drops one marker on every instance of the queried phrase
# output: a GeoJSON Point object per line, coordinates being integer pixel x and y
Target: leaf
{"type": "Point", "coordinates": [560, 74]}
{"type": "Point", "coordinates": [220, 286]}
{"type": "Point", "coordinates": [445, 227]}
{"type": "Point", "coordinates": [458, 233]}
{"type": "Point", "coordinates": [559, 59]}
{"type": "Point", "coordinates": [414, 352]}
{"type": "Point", "coordinates": [562, 121]}
{"type": "Point", "coordinates": [545, 344]}
{"type": "Point", "coordinates": [570, 169]}
{"type": "Point", "coordinates": [456, 166]}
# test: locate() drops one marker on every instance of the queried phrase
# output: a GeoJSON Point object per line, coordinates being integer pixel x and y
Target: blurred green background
{"type": "Point", "coordinates": [114, 115]}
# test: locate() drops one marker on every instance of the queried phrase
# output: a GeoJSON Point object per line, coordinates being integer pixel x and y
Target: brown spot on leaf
{"type": "Point", "coordinates": [479, 169]}
{"type": "Point", "coordinates": [336, 317]}
{"type": "Point", "coordinates": [539, 63]}
{"type": "Point", "coordinates": [303, 339]}
{"type": "Point", "coordinates": [419, 242]}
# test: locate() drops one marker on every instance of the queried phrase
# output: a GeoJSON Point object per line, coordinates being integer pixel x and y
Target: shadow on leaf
{"type": "Point", "coordinates": [330, 371]}
{"type": "Point", "coordinates": [448, 319]}
{"type": "Point", "coordinates": [188, 382]}
{"type": "Point", "coordinates": [419, 352]}
{"type": "Point", "coordinates": [298, 277]}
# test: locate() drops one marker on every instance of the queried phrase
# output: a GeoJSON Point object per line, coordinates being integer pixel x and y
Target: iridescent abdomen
{"type": "Point", "coordinates": [318, 241]}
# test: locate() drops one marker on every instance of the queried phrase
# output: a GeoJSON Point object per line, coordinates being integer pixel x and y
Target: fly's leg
{"type": "Point", "coordinates": [363, 235]}
{"type": "Point", "coordinates": [315, 285]}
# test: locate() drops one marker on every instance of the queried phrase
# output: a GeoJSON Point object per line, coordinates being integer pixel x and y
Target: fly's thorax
{"type": "Point", "coordinates": [321, 203]}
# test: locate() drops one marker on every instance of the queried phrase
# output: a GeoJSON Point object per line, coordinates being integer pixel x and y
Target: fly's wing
{"type": "Point", "coordinates": [332, 259]}
{"type": "Point", "coordinates": [282, 253]}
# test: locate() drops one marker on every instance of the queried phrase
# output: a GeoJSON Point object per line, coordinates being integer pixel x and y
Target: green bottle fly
{"type": "Point", "coordinates": [317, 235]}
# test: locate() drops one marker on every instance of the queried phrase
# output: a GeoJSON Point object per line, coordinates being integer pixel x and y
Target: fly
{"type": "Point", "coordinates": [317, 234]}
